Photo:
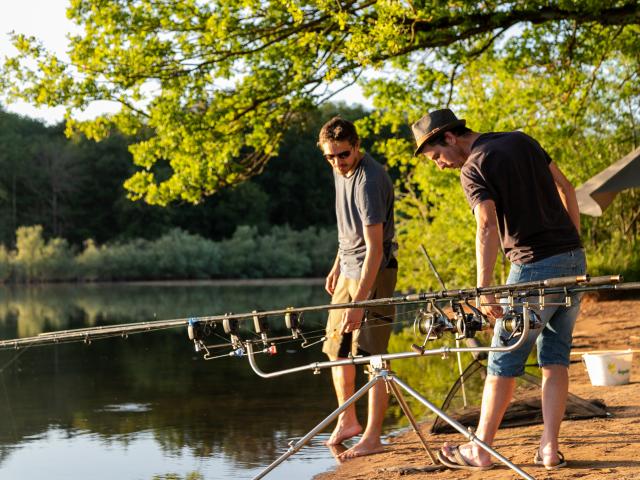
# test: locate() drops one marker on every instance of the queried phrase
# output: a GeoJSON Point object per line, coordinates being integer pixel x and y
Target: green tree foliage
{"type": "Point", "coordinates": [36, 259]}
{"type": "Point", "coordinates": [573, 88]}
{"type": "Point", "coordinates": [211, 88]}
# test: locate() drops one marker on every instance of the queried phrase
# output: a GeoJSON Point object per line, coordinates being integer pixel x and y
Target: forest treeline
{"type": "Point", "coordinates": [74, 189]}
{"type": "Point", "coordinates": [64, 214]}
{"type": "Point", "coordinates": [177, 254]}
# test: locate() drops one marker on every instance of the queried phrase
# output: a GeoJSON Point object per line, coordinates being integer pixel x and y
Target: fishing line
{"type": "Point", "coordinates": [14, 429]}
{"type": "Point", "coordinates": [320, 333]}
{"type": "Point", "coordinates": [14, 358]}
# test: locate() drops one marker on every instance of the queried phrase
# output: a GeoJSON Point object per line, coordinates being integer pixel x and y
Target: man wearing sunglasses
{"type": "Point", "coordinates": [365, 267]}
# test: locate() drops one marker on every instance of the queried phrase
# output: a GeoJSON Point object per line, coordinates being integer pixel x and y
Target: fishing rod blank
{"type": "Point", "coordinates": [547, 287]}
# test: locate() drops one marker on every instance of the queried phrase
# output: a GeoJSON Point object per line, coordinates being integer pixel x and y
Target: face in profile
{"type": "Point", "coordinates": [450, 155]}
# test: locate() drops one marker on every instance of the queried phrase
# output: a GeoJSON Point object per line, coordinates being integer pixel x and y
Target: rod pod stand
{"type": "Point", "coordinates": [382, 374]}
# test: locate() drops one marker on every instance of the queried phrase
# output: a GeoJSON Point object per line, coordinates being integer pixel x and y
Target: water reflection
{"type": "Point", "coordinates": [55, 307]}
{"type": "Point", "coordinates": [149, 392]}
{"type": "Point", "coordinates": [149, 406]}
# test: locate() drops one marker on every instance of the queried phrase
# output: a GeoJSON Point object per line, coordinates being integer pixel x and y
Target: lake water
{"type": "Point", "coordinates": [148, 407]}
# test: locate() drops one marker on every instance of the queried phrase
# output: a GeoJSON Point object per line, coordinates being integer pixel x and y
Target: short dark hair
{"type": "Point", "coordinates": [438, 139]}
{"type": "Point", "coordinates": [337, 130]}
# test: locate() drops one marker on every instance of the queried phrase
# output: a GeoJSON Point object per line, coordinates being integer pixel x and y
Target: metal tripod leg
{"type": "Point", "coordinates": [407, 411]}
{"type": "Point", "coordinates": [321, 426]}
{"type": "Point", "coordinates": [459, 427]}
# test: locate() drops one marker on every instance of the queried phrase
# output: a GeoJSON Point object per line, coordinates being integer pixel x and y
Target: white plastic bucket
{"type": "Point", "coordinates": [608, 368]}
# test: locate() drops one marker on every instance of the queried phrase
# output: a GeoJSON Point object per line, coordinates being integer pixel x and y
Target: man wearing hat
{"type": "Point", "coordinates": [521, 201]}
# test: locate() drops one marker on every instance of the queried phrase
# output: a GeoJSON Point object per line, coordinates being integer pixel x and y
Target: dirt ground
{"type": "Point", "coordinates": [595, 448]}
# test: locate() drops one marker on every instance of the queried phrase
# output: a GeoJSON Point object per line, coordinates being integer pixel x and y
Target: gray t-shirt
{"type": "Point", "coordinates": [365, 198]}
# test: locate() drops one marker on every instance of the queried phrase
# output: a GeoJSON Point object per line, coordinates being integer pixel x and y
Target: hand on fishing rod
{"type": "Point", "coordinates": [351, 320]}
{"type": "Point", "coordinates": [492, 312]}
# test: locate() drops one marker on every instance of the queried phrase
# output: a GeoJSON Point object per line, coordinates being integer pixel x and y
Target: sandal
{"type": "Point", "coordinates": [537, 459]}
{"type": "Point", "coordinates": [460, 462]}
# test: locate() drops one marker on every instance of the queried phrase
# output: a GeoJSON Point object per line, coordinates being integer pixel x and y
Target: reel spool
{"type": "Point", "coordinates": [198, 331]}
{"type": "Point", "coordinates": [261, 326]}
{"type": "Point", "coordinates": [468, 324]}
{"type": "Point", "coordinates": [513, 323]}
{"type": "Point", "coordinates": [293, 320]}
{"type": "Point", "coordinates": [429, 324]}
{"type": "Point", "coordinates": [231, 327]}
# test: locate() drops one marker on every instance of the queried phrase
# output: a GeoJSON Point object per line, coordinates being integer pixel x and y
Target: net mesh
{"type": "Point", "coordinates": [525, 408]}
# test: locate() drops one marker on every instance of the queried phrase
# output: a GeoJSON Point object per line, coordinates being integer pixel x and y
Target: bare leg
{"type": "Point", "coordinates": [370, 441]}
{"type": "Point", "coordinates": [347, 426]}
{"type": "Point", "coordinates": [555, 388]}
{"type": "Point", "coordinates": [495, 400]}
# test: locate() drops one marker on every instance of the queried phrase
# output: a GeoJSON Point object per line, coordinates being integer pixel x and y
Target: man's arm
{"type": "Point", "coordinates": [567, 195]}
{"type": "Point", "coordinates": [332, 278]}
{"type": "Point", "coordinates": [373, 235]}
{"type": "Point", "coordinates": [487, 245]}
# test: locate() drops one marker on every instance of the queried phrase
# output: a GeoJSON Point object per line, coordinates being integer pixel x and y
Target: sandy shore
{"type": "Point", "coordinates": [595, 449]}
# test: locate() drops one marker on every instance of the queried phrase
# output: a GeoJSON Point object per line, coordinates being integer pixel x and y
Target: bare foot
{"type": "Point", "coordinates": [343, 432]}
{"type": "Point", "coordinates": [336, 451]}
{"type": "Point", "coordinates": [472, 454]}
{"type": "Point", "coordinates": [364, 447]}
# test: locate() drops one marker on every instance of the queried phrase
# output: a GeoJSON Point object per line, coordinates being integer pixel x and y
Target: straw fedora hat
{"type": "Point", "coordinates": [432, 124]}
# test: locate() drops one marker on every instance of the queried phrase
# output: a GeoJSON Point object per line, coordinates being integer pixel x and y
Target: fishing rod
{"type": "Point", "coordinates": [203, 326]}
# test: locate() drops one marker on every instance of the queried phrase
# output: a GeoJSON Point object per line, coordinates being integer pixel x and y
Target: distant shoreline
{"type": "Point", "coordinates": [230, 282]}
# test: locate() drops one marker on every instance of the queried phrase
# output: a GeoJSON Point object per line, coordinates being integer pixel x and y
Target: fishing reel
{"type": "Point", "coordinates": [231, 327]}
{"type": "Point", "coordinates": [513, 324]}
{"type": "Point", "coordinates": [198, 331]}
{"type": "Point", "coordinates": [293, 321]}
{"type": "Point", "coordinates": [468, 324]}
{"type": "Point", "coordinates": [261, 326]}
{"type": "Point", "coordinates": [430, 324]}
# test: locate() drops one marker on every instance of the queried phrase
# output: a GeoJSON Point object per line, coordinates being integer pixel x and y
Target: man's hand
{"type": "Point", "coordinates": [332, 279]}
{"type": "Point", "coordinates": [491, 311]}
{"type": "Point", "coordinates": [351, 320]}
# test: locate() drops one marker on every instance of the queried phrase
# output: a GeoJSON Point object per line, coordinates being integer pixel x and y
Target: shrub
{"type": "Point", "coordinates": [281, 252]}
{"type": "Point", "coordinates": [5, 264]}
{"type": "Point", "coordinates": [37, 260]}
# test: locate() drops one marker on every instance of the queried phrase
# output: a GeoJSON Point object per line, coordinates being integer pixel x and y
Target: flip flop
{"type": "Point", "coordinates": [460, 462]}
{"type": "Point", "coordinates": [537, 459]}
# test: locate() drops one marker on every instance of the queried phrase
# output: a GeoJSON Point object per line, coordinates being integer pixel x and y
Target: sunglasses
{"type": "Point", "coordinates": [340, 155]}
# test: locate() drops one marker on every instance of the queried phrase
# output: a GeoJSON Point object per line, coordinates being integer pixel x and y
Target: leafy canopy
{"type": "Point", "coordinates": [209, 88]}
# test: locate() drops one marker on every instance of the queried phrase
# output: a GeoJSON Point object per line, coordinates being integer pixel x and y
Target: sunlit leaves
{"type": "Point", "coordinates": [208, 88]}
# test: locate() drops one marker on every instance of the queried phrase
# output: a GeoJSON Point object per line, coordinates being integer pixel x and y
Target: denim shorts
{"type": "Point", "coordinates": [553, 339]}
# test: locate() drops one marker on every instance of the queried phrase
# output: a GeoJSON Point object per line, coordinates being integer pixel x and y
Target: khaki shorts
{"type": "Point", "coordinates": [373, 335]}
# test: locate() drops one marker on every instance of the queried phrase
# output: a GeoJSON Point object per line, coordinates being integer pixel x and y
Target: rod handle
{"type": "Point", "coordinates": [566, 281]}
